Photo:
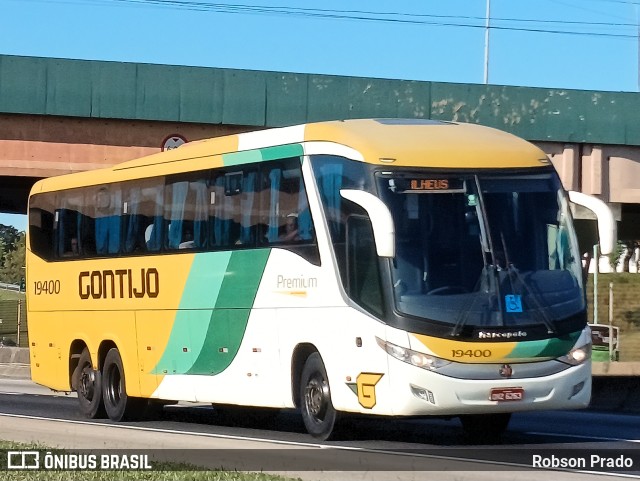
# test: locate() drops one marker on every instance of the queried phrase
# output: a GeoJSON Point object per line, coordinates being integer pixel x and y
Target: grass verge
{"type": "Point", "coordinates": [162, 471]}
{"type": "Point", "coordinates": [11, 295]}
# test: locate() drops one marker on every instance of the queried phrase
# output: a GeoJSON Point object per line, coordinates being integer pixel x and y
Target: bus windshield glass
{"type": "Point", "coordinates": [483, 251]}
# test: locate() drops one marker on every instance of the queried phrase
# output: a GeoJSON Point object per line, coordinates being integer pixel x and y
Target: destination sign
{"type": "Point", "coordinates": [429, 184]}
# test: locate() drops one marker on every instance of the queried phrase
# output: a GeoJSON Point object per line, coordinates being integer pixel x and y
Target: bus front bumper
{"type": "Point", "coordinates": [430, 393]}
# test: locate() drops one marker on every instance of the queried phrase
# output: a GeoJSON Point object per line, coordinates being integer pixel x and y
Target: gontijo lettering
{"type": "Point", "coordinates": [121, 283]}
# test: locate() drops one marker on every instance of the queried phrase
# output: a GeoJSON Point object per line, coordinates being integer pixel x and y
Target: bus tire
{"type": "Point", "coordinates": [87, 383]}
{"type": "Point", "coordinates": [318, 413]}
{"type": "Point", "coordinates": [485, 428]}
{"type": "Point", "coordinates": [118, 405]}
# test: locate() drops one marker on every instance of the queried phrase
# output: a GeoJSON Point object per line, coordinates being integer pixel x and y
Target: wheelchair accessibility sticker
{"type": "Point", "coordinates": [513, 303]}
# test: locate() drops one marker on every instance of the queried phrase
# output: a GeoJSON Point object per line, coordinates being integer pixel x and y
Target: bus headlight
{"type": "Point", "coordinates": [418, 359]}
{"type": "Point", "coordinates": [577, 355]}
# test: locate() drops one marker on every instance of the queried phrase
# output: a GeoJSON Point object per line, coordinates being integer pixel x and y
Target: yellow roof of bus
{"type": "Point", "coordinates": [405, 142]}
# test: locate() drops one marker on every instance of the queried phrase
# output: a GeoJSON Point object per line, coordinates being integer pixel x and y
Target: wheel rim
{"type": "Point", "coordinates": [87, 383]}
{"type": "Point", "coordinates": [316, 397]}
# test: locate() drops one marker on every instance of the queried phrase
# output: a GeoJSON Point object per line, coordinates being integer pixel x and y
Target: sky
{"type": "Point", "coordinates": [575, 44]}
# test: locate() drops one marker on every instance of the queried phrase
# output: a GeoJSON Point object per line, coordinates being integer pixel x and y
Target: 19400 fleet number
{"type": "Point", "coordinates": [473, 353]}
{"type": "Point", "coordinates": [50, 287]}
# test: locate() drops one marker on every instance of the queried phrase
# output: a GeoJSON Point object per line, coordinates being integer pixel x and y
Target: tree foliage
{"type": "Point", "coordinates": [9, 236]}
{"type": "Point", "coordinates": [12, 254]}
{"type": "Point", "coordinates": [12, 270]}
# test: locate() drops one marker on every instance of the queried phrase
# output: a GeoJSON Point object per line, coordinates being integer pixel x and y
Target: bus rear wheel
{"type": "Point", "coordinates": [318, 413]}
{"type": "Point", "coordinates": [118, 405]}
{"type": "Point", "coordinates": [87, 383]}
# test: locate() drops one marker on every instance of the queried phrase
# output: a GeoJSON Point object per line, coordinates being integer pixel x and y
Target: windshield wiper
{"type": "Point", "coordinates": [538, 311]}
{"type": "Point", "coordinates": [487, 279]}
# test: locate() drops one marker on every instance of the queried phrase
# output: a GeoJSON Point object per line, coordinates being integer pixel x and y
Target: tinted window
{"type": "Point", "coordinates": [248, 206]}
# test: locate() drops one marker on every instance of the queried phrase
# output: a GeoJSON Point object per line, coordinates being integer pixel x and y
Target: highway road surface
{"type": "Point", "coordinates": [373, 449]}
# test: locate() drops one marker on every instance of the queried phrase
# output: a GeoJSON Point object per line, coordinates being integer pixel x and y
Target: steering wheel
{"type": "Point", "coordinates": [447, 290]}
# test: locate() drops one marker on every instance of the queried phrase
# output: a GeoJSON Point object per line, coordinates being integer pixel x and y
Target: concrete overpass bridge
{"type": "Point", "coordinates": [59, 116]}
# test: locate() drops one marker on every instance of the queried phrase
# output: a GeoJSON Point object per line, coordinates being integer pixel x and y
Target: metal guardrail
{"type": "Point", "coordinates": [9, 287]}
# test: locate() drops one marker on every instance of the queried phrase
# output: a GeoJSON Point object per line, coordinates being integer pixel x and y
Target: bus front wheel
{"type": "Point", "coordinates": [318, 413]}
{"type": "Point", "coordinates": [88, 384]}
{"type": "Point", "coordinates": [118, 405]}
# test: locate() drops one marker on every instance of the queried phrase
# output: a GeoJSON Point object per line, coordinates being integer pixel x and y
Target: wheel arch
{"type": "Point", "coordinates": [104, 348]}
{"type": "Point", "coordinates": [75, 350]}
{"type": "Point", "coordinates": [300, 355]}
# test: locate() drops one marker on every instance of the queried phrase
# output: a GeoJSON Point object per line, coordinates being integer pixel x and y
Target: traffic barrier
{"type": "Point", "coordinates": [9, 287]}
{"type": "Point", "coordinates": [14, 355]}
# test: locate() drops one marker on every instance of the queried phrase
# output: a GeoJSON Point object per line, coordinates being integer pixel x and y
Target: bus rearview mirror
{"type": "Point", "coordinates": [606, 223]}
{"type": "Point", "coordinates": [381, 221]}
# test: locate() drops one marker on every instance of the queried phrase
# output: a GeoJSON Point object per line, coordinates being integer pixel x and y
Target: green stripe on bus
{"type": "Point", "coordinates": [231, 314]}
{"type": "Point", "coordinates": [205, 280]}
{"type": "Point", "coordinates": [282, 152]}
{"type": "Point", "coordinates": [560, 346]}
{"type": "Point", "coordinates": [239, 158]}
{"type": "Point", "coordinates": [213, 313]}
{"type": "Point", "coordinates": [191, 322]}
{"type": "Point", "coordinates": [242, 278]}
{"type": "Point", "coordinates": [223, 339]}
{"type": "Point", "coordinates": [545, 348]}
{"type": "Point", "coordinates": [258, 155]}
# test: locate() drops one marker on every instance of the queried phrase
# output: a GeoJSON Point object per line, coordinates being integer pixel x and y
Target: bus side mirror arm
{"type": "Point", "coordinates": [606, 223]}
{"type": "Point", "coordinates": [384, 231]}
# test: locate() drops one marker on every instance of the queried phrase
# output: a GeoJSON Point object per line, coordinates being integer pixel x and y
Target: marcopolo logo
{"type": "Point", "coordinates": [120, 283]}
{"type": "Point", "coordinates": [501, 334]}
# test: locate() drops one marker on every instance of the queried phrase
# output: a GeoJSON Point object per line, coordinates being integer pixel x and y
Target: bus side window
{"type": "Point", "coordinates": [67, 223]}
{"type": "Point", "coordinates": [68, 239]}
{"type": "Point", "coordinates": [150, 213]}
{"type": "Point", "coordinates": [41, 220]}
{"type": "Point", "coordinates": [176, 195]}
{"type": "Point", "coordinates": [134, 221]}
{"type": "Point", "coordinates": [248, 209]}
{"type": "Point", "coordinates": [108, 219]}
{"type": "Point", "coordinates": [235, 205]}
{"type": "Point", "coordinates": [187, 213]}
{"type": "Point", "coordinates": [286, 216]}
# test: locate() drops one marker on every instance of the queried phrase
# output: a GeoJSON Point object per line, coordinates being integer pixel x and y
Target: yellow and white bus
{"type": "Point", "coordinates": [386, 267]}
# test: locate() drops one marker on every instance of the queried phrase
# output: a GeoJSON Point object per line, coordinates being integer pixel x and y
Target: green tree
{"type": "Point", "coordinates": [9, 236]}
{"type": "Point", "coordinates": [12, 270]}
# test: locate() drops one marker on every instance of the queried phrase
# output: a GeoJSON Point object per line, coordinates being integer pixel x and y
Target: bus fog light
{"type": "Point", "coordinates": [576, 389]}
{"type": "Point", "coordinates": [422, 393]}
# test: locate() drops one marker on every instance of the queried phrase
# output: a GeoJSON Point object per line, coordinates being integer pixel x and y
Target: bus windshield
{"type": "Point", "coordinates": [483, 251]}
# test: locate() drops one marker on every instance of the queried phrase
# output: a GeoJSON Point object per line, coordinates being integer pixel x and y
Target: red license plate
{"type": "Point", "coordinates": [503, 394]}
